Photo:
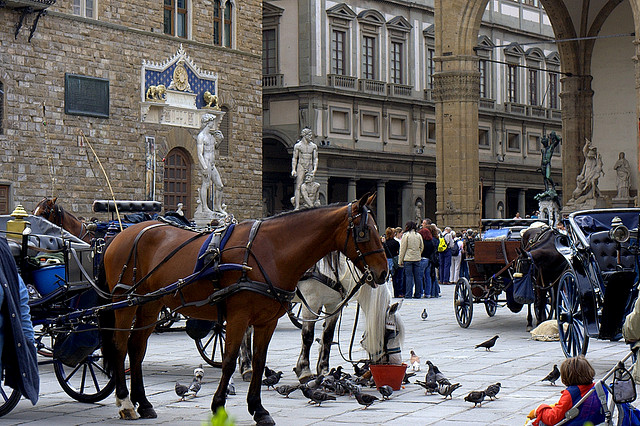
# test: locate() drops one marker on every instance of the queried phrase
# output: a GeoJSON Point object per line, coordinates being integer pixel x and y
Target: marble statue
{"type": "Point", "coordinates": [545, 167]}
{"type": "Point", "coordinates": [587, 194]}
{"type": "Point", "coordinates": [417, 212]}
{"type": "Point", "coordinates": [310, 192]}
{"type": "Point", "coordinates": [304, 163]}
{"type": "Point", "coordinates": [207, 143]}
{"type": "Point", "coordinates": [623, 176]}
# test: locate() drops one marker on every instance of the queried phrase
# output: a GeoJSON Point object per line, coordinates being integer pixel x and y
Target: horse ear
{"type": "Point", "coordinates": [366, 200]}
{"type": "Point", "coordinates": [54, 199]}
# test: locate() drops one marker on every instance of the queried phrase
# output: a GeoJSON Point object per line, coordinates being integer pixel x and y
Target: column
{"type": "Point", "coordinates": [500, 202]}
{"type": "Point", "coordinates": [351, 190]}
{"type": "Point", "coordinates": [381, 206]}
{"type": "Point", "coordinates": [324, 187]}
{"type": "Point", "coordinates": [522, 203]}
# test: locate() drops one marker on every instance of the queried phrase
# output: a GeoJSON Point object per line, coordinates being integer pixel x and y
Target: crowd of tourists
{"type": "Point", "coordinates": [422, 257]}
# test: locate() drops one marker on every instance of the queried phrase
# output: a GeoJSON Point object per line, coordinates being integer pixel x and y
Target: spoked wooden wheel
{"type": "Point", "coordinates": [463, 302]}
{"type": "Point", "coordinates": [211, 347]}
{"type": "Point", "coordinates": [491, 304]}
{"type": "Point", "coordinates": [571, 323]}
{"type": "Point", "coordinates": [88, 381]}
{"type": "Point", "coordinates": [9, 398]}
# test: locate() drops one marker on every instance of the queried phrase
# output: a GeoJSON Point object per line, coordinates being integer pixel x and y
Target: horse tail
{"type": "Point", "coordinates": [106, 321]}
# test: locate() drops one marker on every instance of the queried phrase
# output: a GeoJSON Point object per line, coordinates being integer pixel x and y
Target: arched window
{"type": "Point", "coordinates": [223, 149]}
{"type": "Point", "coordinates": [228, 23]}
{"type": "Point", "coordinates": [177, 181]}
{"type": "Point", "coordinates": [217, 23]}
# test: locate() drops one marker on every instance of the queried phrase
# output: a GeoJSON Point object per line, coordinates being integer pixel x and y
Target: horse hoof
{"type": "Point", "coordinates": [147, 413]}
{"type": "Point", "coordinates": [128, 414]}
{"type": "Point", "coordinates": [246, 375]}
{"type": "Point", "coordinates": [529, 328]}
{"type": "Point", "coordinates": [264, 420]}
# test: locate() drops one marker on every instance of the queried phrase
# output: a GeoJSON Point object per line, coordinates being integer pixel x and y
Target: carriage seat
{"type": "Point", "coordinates": [604, 250]}
{"type": "Point", "coordinates": [126, 206]}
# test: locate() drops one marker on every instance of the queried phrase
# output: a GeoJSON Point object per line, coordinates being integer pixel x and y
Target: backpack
{"type": "Point", "coordinates": [590, 410]}
{"type": "Point", "coordinates": [628, 415]}
{"type": "Point", "coordinates": [455, 248]}
{"type": "Point", "coordinates": [442, 245]}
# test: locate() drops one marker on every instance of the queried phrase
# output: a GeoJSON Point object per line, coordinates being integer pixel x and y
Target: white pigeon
{"type": "Point", "coordinates": [414, 361]}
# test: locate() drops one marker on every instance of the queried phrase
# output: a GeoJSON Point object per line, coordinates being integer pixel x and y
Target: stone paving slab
{"type": "Point", "coordinates": [516, 361]}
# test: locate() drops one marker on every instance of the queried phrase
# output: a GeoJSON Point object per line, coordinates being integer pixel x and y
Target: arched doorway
{"type": "Point", "coordinates": [177, 181]}
{"type": "Point", "coordinates": [277, 183]}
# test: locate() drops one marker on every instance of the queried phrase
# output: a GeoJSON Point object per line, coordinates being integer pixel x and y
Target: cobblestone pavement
{"type": "Point", "coordinates": [516, 361]}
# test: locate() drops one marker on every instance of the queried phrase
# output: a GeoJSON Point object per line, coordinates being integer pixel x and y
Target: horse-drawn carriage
{"type": "Point", "coordinates": [491, 268]}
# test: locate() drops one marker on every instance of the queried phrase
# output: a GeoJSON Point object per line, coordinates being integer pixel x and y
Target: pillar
{"type": "Point", "coordinates": [351, 190]}
{"type": "Point", "coordinates": [522, 203]}
{"type": "Point", "coordinates": [381, 206]}
{"type": "Point", "coordinates": [324, 187]}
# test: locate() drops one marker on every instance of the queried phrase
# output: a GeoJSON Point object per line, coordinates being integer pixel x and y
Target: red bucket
{"type": "Point", "coordinates": [388, 374]}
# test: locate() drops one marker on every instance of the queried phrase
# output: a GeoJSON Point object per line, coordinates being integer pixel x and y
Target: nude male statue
{"type": "Point", "coordinates": [207, 143]}
{"type": "Point", "coordinates": [304, 162]}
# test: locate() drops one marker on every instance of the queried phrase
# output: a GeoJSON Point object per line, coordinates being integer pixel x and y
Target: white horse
{"type": "Point", "coordinates": [324, 288]}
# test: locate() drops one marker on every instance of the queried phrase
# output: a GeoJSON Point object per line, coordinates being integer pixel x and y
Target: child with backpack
{"type": "Point", "coordinates": [577, 374]}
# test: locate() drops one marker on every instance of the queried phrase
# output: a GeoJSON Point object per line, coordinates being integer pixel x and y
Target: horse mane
{"type": "Point", "coordinates": [295, 212]}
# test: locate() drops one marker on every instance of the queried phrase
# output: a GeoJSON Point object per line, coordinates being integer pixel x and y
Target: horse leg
{"type": "Point", "coordinates": [123, 320]}
{"type": "Point", "coordinates": [235, 333]}
{"type": "Point", "coordinates": [529, 318]}
{"type": "Point", "coordinates": [302, 367]}
{"type": "Point", "coordinates": [246, 355]}
{"type": "Point", "coordinates": [146, 315]}
{"type": "Point", "coordinates": [327, 341]}
{"type": "Point", "coordinates": [261, 338]}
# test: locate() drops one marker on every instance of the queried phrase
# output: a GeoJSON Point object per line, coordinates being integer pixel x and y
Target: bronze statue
{"type": "Point", "coordinates": [545, 167]}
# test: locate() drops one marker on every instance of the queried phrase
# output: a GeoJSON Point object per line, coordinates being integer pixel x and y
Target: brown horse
{"type": "Point", "coordinates": [276, 252]}
{"type": "Point", "coordinates": [48, 209]}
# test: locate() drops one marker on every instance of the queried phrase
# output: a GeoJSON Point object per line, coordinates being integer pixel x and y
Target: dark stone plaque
{"type": "Point", "coordinates": [85, 95]}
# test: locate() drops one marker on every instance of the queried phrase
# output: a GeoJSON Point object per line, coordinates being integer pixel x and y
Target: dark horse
{"type": "Point", "coordinates": [539, 247]}
{"type": "Point", "coordinates": [275, 253]}
{"type": "Point", "coordinates": [54, 213]}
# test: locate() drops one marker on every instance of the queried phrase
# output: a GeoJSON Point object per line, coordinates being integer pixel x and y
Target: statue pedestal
{"type": "Point", "coordinates": [590, 204]}
{"type": "Point", "coordinates": [549, 211]}
{"type": "Point", "coordinates": [622, 202]}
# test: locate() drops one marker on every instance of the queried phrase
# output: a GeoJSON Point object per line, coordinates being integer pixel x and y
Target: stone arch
{"type": "Point", "coordinates": [277, 183]}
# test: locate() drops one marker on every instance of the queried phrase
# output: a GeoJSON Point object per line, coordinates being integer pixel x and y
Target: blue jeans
{"type": "Point", "coordinates": [464, 269]}
{"type": "Point", "coordinates": [445, 266]}
{"type": "Point", "coordinates": [425, 273]}
{"type": "Point", "coordinates": [411, 277]}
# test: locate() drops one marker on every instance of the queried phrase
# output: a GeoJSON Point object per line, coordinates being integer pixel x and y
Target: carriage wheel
{"type": "Point", "coordinates": [549, 304]}
{"type": "Point", "coordinates": [211, 347]}
{"type": "Point", "coordinates": [294, 313]}
{"type": "Point", "coordinates": [491, 304]}
{"type": "Point", "coordinates": [463, 302]}
{"type": "Point", "coordinates": [88, 381]}
{"type": "Point", "coordinates": [9, 398]}
{"type": "Point", "coordinates": [166, 319]}
{"type": "Point", "coordinates": [571, 325]}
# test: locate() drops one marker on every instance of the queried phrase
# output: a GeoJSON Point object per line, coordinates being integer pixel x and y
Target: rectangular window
{"type": "Point", "coordinates": [217, 23]}
{"type": "Point", "coordinates": [85, 8]}
{"type": "Point", "coordinates": [228, 25]}
{"type": "Point", "coordinates": [431, 131]}
{"type": "Point", "coordinates": [482, 67]}
{"type": "Point", "coordinates": [512, 83]}
{"type": "Point", "coordinates": [533, 87]}
{"type": "Point", "coordinates": [483, 138]}
{"type": "Point", "coordinates": [175, 18]}
{"type": "Point", "coordinates": [396, 62]}
{"type": "Point", "coordinates": [368, 58]}
{"type": "Point", "coordinates": [534, 144]}
{"type": "Point", "coordinates": [430, 67]}
{"type": "Point", "coordinates": [553, 90]}
{"type": "Point", "coordinates": [4, 199]}
{"type": "Point", "coordinates": [513, 142]}
{"type": "Point", "coordinates": [338, 54]}
{"type": "Point", "coordinates": [269, 63]}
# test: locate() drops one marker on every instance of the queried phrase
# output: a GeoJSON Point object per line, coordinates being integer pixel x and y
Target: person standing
{"type": "Point", "coordinates": [398, 278]}
{"type": "Point", "coordinates": [445, 256]}
{"type": "Point", "coordinates": [410, 255]}
{"type": "Point", "coordinates": [391, 250]}
{"type": "Point", "coordinates": [456, 258]}
{"type": "Point", "coordinates": [425, 262]}
{"type": "Point", "coordinates": [434, 261]}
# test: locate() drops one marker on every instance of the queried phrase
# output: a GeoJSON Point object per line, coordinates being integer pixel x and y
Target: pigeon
{"type": "Point", "coordinates": [414, 361]}
{"type": "Point", "coordinates": [181, 390]}
{"type": "Point", "coordinates": [198, 373]}
{"type": "Point", "coordinates": [360, 371]}
{"type": "Point", "coordinates": [231, 387]}
{"type": "Point", "coordinates": [406, 378]}
{"type": "Point", "coordinates": [476, 397]}
{"type": "Point", "coordinates": [315, 382]}
{"type": "Point", "coordinates": [435, 375]}
{"type": "Point", "coordinates": [336, 373]}
{"type": "Point", "coordinates": [195, 386]}
{"type": "Point", "coordinates": [268, 372]}
{"type": "Point", "coordinates": [424, 314]}
{"type": "Point", "coordinates": [365, 399]}
{"type": "Point", "coordinates": [553, 376]}
{"type": "Point", "coordinates": [488, 344]}
{"type": "Point", "coordinates": [316, 395]}
{"type": "Point", "coordinates": [447, 390]}
{"type": "Point", "coordinates": [430, 387]}
{"type": "Point", "coordinates": [272, 380]}
{"type": "Point", "coordinates": [492, 390]}
{"type": "Point", "coordinates": [385, 391]}
{"type": "Point", "coordinates": [285, 390]}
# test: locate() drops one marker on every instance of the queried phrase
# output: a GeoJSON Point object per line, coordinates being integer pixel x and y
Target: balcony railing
{"type": "Point", "coordinates": [515, 108]}
{"type": "Point", "coordinates": [428, 94]}
{"type": "Point", "coordinates": [373, 86]}
{"type": "Point", "coordinates": [554, 114]}
{"type": "Point", "coordinates": [486, 103]}
{"type": "Point", "coordinates": [272, 80]}
{"type": "Point", "coordinates": [401, 90]}
{"type": "Point", "coordinates": [343, 82]}
{"type": "Point", "coordinates": [537, 111]}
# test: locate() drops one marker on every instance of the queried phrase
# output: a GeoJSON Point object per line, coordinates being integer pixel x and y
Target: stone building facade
{"type": "Point", "coordinates": [368, 78]}
{"type": "Point", "coordinates": [42, 148]}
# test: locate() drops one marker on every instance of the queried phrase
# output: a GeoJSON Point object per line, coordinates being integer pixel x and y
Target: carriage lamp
{"type": "Point", "coordinates": [16, 226]}
{"type": "Point", "coordinates": [618, 231]}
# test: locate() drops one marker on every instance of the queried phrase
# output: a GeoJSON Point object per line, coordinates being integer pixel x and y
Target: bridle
{"type": "Point", "coordinates": [51, 212]}
{"type": "Point", "coordinates": [360, 234]}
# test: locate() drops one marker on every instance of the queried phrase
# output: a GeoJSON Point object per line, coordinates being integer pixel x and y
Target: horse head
{"type": "Point", "coordinates": [363, 245]}
{"type": "Point", "coordinates": [48, 209]}
{"type": "Point", "coordinates": [384, 329]}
